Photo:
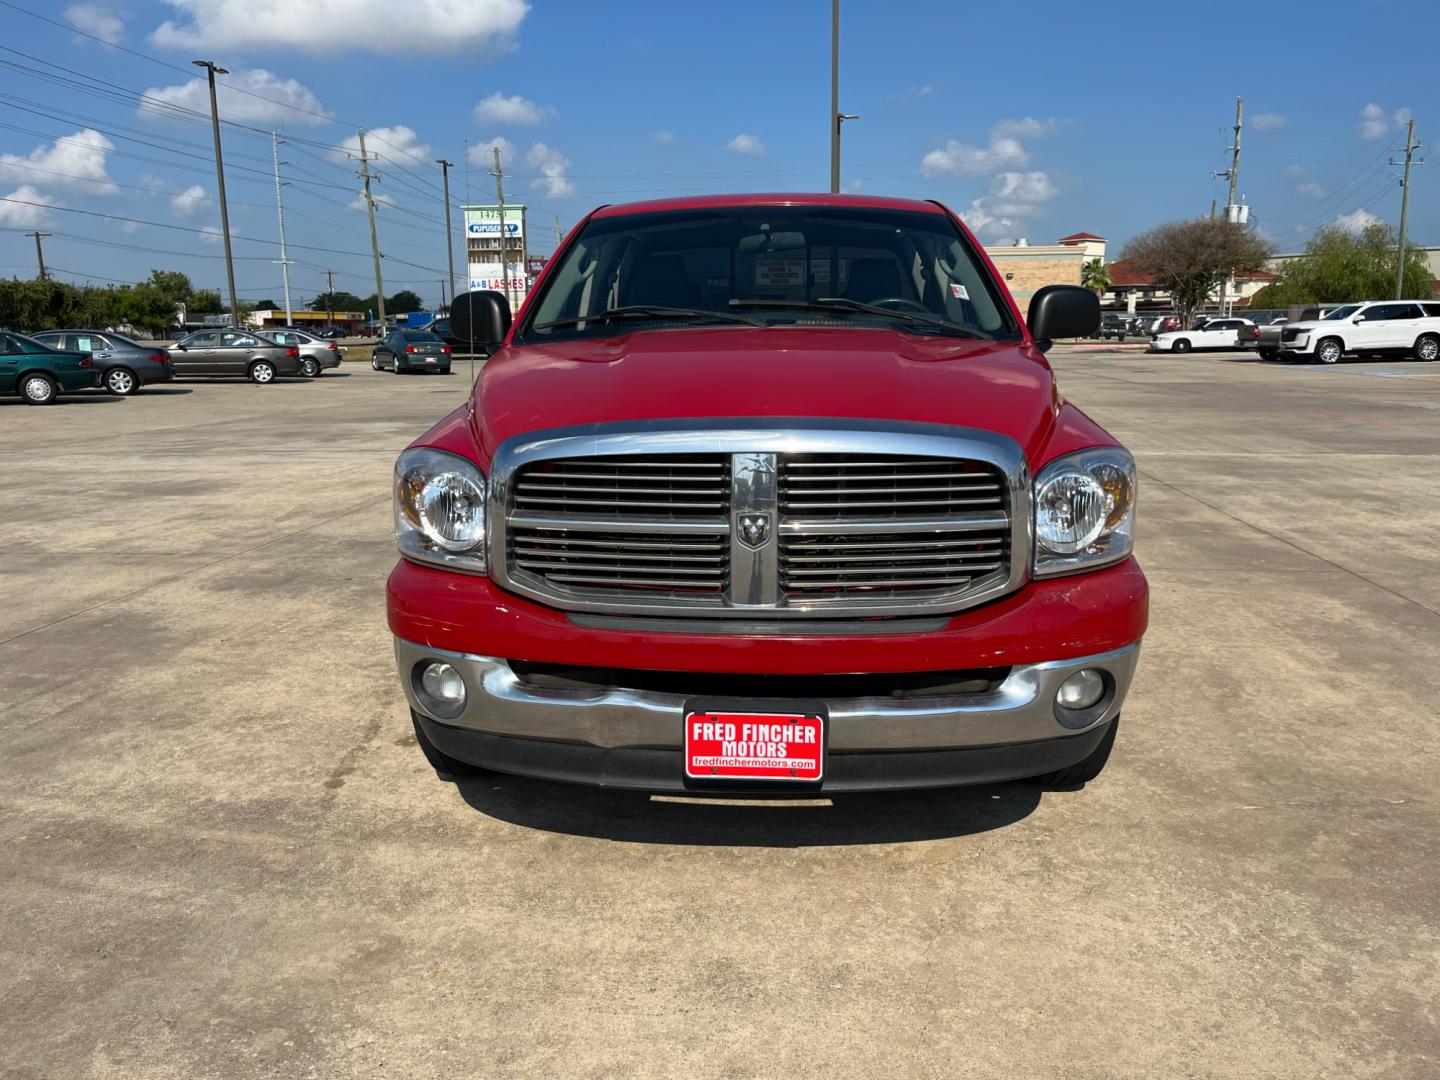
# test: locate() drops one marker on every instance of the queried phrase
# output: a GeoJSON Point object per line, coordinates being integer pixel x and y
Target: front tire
{"type": "Point", "coordinates": [262, 372]}
{"type": "Point", "coordinates": [1267, 354]}
{"type": "Point", "coordinates": [309, 368]}
{"type": "Point", "coordinates": [39, 389]}
{"type": "Point", "coordinates": [1181, 346]}
{"type": "Point", "coordinates": [1427, 348]}
{"type": "Point", "coordinates": [121, 381]}
{"type": "Point", "coordinates": [1085, 770]}
{"type": "Point", "coordinates": [1329, 351]}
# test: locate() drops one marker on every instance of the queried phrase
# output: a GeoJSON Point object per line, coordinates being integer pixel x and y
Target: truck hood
{"type": "Point", "coordinates": [861, 373]}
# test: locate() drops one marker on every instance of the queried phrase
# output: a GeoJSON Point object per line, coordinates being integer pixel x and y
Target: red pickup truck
{"type": "Point", "coordinates": [768, 493]}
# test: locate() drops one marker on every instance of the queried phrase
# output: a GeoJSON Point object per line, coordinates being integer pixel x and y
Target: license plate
{"type": "Point", "coordinates": [430, 360]}
{"type": "Point", "coordinates": [730, 744]}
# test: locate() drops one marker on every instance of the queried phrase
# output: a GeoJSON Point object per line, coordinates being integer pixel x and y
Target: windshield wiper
{"type": "Point", "coordinates": [841, 303]}
{"type": "Point", "coordinates": [650, 311]}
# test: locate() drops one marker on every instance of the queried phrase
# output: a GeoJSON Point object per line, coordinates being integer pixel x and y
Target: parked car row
{"type": "Point", "coordinates": [1325, 333]}
{"type": "Point", "coordinates": [40, 367]}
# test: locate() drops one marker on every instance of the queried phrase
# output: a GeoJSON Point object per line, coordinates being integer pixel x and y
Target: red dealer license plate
{"type": "Point", "coordinates": [730, 744]}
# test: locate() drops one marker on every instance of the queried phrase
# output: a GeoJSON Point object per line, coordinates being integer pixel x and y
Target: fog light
{"type": "Point", "coordinates": [443, 689]}
{"type": "Point", "coordinates": [1083, 690]}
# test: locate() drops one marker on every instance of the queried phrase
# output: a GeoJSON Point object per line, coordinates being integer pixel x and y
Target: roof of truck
{"type": "Point", "coordinates": [710, 202]}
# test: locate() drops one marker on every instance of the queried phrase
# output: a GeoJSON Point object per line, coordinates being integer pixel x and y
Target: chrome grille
{"type": "Point", "coordinates": [690, 485]}
{"type": "Point", "coordinates": [847, 485]}
{"type": "Point", "coordinates": [760, 517]}
{"type": "Point", "coordinates": [623, 561]}
{"type": "Point", "coordinates": [904, 564]}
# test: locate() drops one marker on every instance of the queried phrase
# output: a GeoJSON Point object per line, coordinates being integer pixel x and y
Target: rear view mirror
{"type": "Point", "coordinates": [481, 317]}
{"type": "Point", "coordinates": [1063, 311]}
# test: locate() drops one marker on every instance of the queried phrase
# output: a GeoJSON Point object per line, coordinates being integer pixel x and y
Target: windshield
{"type": "Point", "coordinates": [418, 335]}
{"type": "Point", "coordinates": [770, 264]}
{"type": "Point", "coordinates": [1342, 312]}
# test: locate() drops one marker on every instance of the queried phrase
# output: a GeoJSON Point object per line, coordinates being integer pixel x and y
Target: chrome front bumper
{"type": "Point", "coordinates": [1020, 710]}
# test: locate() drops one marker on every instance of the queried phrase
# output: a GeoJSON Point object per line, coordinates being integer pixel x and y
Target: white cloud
{"type": "Point", "coordinates": [1268, 121]}
{"type": "Point", "coordinates": [923, 91]}
{"type": "Point", "coordinates": [664, 138]}
{"type": "Point", "coordinates": [189, 202]}
{"type": "Point", "coordinates": [381, 199]}
{"type": "Point", "coordinates": [97, 20]}
{"type": "Point", "coordinates": [552, 166]}
{"type": "Point", "coordinates": [398, 143]}
{"type": "Point", "coordinates": [1015, 198]}
{"type": "Point", "coordinates": [278, 101]}
{"type": "Point", "coordinates": [483, 153]}
{"type": "Point", "coordinates": [1375, 122]}
{"type": "Point", "coordinates": [1302, 184]}
{"type": "Point", "coordinates": [1357, 221]}
{"type": "Point", "coordinates": [70, 161]}
{"type": "Point", "coordinates": [211, 234]}
{"type": "Point", "coordinates": [746, 144]}
{"type": "Point", "coordinates": [499, 109]}
{"type": "Point", "coordinates": [854, 186]}
{"type": "Point", "coordinates": [1003, 150]}
{"type": "Point", "coordinates": [471, 27]}
{"type": "Point", "coordinates": [18, 213]}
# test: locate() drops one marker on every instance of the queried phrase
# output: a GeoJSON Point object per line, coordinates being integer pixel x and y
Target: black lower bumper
{"type": "Point", "coordinates": [663, 771]}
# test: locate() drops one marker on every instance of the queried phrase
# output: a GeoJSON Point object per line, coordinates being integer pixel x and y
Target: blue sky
{"type": "Point", "coordinates": [1036, 122]}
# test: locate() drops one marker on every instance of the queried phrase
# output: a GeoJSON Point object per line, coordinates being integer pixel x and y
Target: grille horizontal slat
{"type": "Point", "coordinates": [823, 486]}
{"type": "Point", "coordinates": [662, 488]}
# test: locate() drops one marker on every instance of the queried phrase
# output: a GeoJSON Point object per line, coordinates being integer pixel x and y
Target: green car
{"type": "Point", "coordinates": [38, 373]}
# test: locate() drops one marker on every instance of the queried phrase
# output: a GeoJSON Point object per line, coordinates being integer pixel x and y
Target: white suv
{"type": "Point", "coordinates": [1397, 327]}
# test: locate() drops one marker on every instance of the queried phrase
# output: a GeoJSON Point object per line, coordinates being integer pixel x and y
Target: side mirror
{"type": "Point", "coordinates": [1358, 319]}
{"type": "Point", "coordinates": [1062, 311]}
{"type": "Point", "coordinates": [180, 345]}
{"type": "Point", "coordinates": [481, 317]}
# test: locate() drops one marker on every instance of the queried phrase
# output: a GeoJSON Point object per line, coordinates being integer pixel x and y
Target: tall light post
{"type": "Point", "coordinates": [212, 71]}
{"type": "Point", "coordinates": [837, 118]}
{"type": "Point", "coordinates": [445, 167]}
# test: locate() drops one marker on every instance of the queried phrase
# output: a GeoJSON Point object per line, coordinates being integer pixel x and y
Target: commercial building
{"type": "Point", "coordinates": [305, 320]}
{"type": "Point", "coordinates": [1027, 267]}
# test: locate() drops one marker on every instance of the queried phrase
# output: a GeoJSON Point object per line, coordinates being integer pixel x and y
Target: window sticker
{"type": "Point", "coordinates": [958, 291]}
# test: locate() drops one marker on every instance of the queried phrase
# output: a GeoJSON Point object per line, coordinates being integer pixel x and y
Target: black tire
{"type": "Point", "coordinates": [1085, 770]}
{"type": "Point", "coordinates": [122, 382]}
{"type": "Point", "coordinates": [1427, 348]}
{"type": "Point", "coordinates": [38, 389]}
{"type": "Point", "coordinates": [1329, 350]}
{"type": "Point", "coordinates": [262, 372]}
{"type": "Point", "coordinates": [1181, 345]}
{"type": "Point", "coordinates": [310, 368]}
{"type": "Point", "coordinates": [374, 363]}
{"type": "Point", "coordinates": [1267, 354]}
{"type": "Point", "coordinates": [446, 767]}
{"type": "Point", "coordinates": [396, 369]}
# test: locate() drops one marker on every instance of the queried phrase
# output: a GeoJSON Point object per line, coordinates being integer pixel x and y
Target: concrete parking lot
{"type": "Point", "coordinates": [225, 857]}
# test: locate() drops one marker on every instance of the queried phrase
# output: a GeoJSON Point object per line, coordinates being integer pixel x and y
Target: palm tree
{"type": "Point", "coordinates": [1095, 276]}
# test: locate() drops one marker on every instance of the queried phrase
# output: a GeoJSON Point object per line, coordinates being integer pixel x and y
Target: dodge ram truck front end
{"type": "Point", "coordinates": [766, 493]}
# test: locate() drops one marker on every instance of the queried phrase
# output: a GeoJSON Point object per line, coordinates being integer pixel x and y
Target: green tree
{"type": "Point", "coordinates": [172, 285]}
{"type": "Point", "coordinates": [1340, 267]}
{"type": "Point", "coordinates": [404, 302]}
{"type": "Point", "coordinates": [339, 301]}
{"type": "Point", "coordinates": [205, 302]}
{"type": "Point", "coordinates": [1191, 258]}
{"type": "Point", "coordinates": [266, 305]}
{"type": "Point", "coordinates": [1095, 276]}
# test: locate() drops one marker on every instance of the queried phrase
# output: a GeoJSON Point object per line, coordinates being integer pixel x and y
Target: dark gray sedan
{"type": "Point", "coordinates": [124, 365]}
{"type": "Point", "coordinates": [411, 350]}
{"type": "Point", "coordinates": [234, 352]}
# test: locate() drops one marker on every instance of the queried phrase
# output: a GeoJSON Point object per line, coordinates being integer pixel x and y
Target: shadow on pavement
{"type": "Point", "coordinates": [878, 818]}
{"type": "Point", "coordinates": [163, 391]}
{"type": "Point", "coordinates": [74, 397]}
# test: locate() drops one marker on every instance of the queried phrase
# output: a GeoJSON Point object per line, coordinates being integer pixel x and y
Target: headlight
{"type": "Point", "coordinates": [440, 510]}
{"type": "Point", "coordinates": [1084, 511]}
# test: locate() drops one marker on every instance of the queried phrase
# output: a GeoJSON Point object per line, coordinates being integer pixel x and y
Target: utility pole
{"type": "Point", "coordinates": [559, 237]}
{"type": "Point", "coordinates": [280, 210]}
{"type": "Point", "coordinates": [499, 175]}
{"type": "Point", "coordinates": [837, 118]}
{"type": "Point", "coordinates": [1410, 147]}
{"type": "Point", "coordinates": [1235, 158]}
{"type": "Point", "coordinates": [445, 167]}
{"type": "Point", "coordinates": [330, 297]}
{"type": "Point", "coordinates": [212, 71]}
{"type": "Point", "coordinates": [374, 240]}
{"type": "Point", "coordinates": [40, 253]}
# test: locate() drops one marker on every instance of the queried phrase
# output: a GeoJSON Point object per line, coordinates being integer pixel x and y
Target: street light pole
{"type": "Point", "coordinates": [212, 71]}
{"type": "Point", "coordinates": [445, 167]}
{"type": "Point", "coordinates": [837, 118]}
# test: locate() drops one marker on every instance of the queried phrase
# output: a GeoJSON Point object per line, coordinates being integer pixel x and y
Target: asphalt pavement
{"type": "Point", "coordinates": [224, 855]}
